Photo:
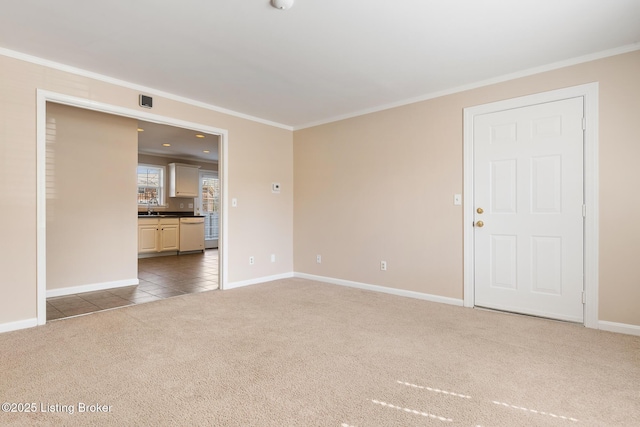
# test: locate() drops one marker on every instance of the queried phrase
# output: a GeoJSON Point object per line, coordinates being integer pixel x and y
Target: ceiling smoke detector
{"type": "Point", "coordinates": [282, 4]}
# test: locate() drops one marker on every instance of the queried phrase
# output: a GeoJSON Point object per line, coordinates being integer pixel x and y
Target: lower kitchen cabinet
{"type": "Point", "coordinates": [170, 234]}
{"type": "Point", "coordinates": [147, 237]}
{"type": "Point", "coordinates": [158, 235]}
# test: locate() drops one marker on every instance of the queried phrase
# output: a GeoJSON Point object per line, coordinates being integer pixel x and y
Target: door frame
{"type": "Point", "coordinates": [43, 97]}
{"type": "Point", "coordinates": [591, 240]}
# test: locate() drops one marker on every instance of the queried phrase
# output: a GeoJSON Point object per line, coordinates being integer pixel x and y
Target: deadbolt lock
{"type": "Point", "coordinates": [480, 210]}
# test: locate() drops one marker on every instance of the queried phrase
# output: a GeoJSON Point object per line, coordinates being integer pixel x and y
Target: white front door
{"type": "Point", "coordinates": [528, 209]}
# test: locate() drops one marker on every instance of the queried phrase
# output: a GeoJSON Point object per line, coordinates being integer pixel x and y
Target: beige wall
{"type": "Point", "coordinates": [374, 187]}
{"type": "Point", "coordinates": [380, 187]}
{"type": "Point", "coordinates": [173, 203]}
{"type": "Point", "coordinates": [91, 211]}
{"type": "Point", "coordinates": [257, 155]}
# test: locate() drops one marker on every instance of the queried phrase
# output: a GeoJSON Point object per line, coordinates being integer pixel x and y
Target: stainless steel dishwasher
{"type": "Point", "coordinates": [191, 234]}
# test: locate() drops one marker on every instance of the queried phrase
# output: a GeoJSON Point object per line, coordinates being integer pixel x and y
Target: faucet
{"type": "Point", "coordinates": [153, 200]}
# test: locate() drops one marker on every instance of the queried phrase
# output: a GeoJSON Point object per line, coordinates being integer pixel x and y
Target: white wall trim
{"type": "Point", "coordinates": [591, 190]}
{"type": "Point", "coordinates": [146, 90]}
{"type": "Point", "coordinates": [91, 287]}
{"type": "Point", "coordinates": [258, 280]}
{"type": "Point", "coordinates": [43, 97]}
{"type": "Point", "coordinates": [512, 76]}
{"type": "Point", "coordinates": [621, 328]}
{"type": "Point", "coordinates": [20, 324]}
{"type": "Point", "coordinates": [41, 208]}
{"type": "Point", "coordinates": [383, 289]}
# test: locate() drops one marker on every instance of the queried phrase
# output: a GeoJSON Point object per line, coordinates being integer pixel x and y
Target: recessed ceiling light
{"type": "Point", "coordinates": [206, 151]}
{"type": "Point", "coordinates": [140, 130]}
{"type": "Point", "coordinates": [166, 145]}
{"type": "Point", "coordinates": [199, 136]}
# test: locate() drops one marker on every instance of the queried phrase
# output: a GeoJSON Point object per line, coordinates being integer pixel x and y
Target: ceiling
{"type": "Point", "coordinates": [183, 143]}
{"type": "Point", "coordinates": [319, 60]}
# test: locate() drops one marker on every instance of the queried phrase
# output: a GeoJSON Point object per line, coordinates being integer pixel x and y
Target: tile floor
{"type": "Point", "coordinates": [160, 277]}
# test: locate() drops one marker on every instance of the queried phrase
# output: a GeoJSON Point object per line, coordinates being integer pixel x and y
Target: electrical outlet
{"type": "Point", "coordinates": [319, 259]}
{"type": "Point", "coordinates": [383, 265]}
{"type": "Point", "coordinates": [252, 260]}
{"type": "Point", "coordinates": [273, 257]}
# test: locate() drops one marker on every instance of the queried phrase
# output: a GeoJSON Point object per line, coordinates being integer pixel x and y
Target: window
{"type": "Point", "coordinates": [150, 183]}
{"type": "Point", "coordinates": [210, 192]}
{"type": "Point", "coordinates": [210, 202]}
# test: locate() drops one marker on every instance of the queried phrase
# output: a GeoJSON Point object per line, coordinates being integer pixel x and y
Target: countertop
{"type": "Point", "coordinates": [167, 214]}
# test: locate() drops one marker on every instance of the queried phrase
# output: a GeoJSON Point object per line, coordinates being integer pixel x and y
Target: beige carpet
{"type": "Point", "coordinates": [300, 353]}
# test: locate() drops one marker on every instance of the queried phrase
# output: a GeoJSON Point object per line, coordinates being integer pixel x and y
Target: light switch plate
{"type": "Point", "coordinates": [457, 199]}
{"type": "Point", "coordinates": [234, 203]}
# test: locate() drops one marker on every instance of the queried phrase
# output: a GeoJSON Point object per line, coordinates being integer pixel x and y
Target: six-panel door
{"type": "Point", "coordinates": [528, 184]}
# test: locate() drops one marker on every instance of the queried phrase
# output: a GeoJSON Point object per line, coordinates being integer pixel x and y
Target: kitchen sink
{"type": "Point", "coordinates": [156, 216]}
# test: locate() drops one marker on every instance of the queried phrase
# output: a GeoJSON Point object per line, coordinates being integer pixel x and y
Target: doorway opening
{"type": "Point", "coordinates": [45, 97]}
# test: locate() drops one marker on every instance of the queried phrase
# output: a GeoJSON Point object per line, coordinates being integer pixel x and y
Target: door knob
{"type": "Point", "coordinates": [480, 224]}
{"type": "Point", "coordinates": [480, 210]}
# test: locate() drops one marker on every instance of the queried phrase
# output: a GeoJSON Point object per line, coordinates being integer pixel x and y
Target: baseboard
{"type": "Point", "coordinates": [376, 288]}
{"type": "Point", "coordinates": [234, 285]}
{"type": "Point", "coordinates": [20, 324]}
{"type": "Point", "coordinates": [622, 328]}
{"type": "Point", "coordinates": [90, 288]}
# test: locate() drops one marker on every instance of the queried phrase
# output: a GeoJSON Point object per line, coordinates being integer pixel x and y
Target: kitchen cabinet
{"type": "Point", "coordinates": [147, 236]}
{"type": "Point", "coordinates": [158, 235]}
{"type": "Point", "coordinates": [183, 180]}
{"type": "Point", "coordinates": [169, 235]}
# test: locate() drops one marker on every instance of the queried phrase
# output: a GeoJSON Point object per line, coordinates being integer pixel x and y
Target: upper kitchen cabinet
{"type": "Point", "coordinates": [183, 180]}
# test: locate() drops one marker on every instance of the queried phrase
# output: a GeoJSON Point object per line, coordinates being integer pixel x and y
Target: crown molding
{"type": "Point", "coordinates": [147, 90]}
{"type": "Point", "coordinates": [506, 77]}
